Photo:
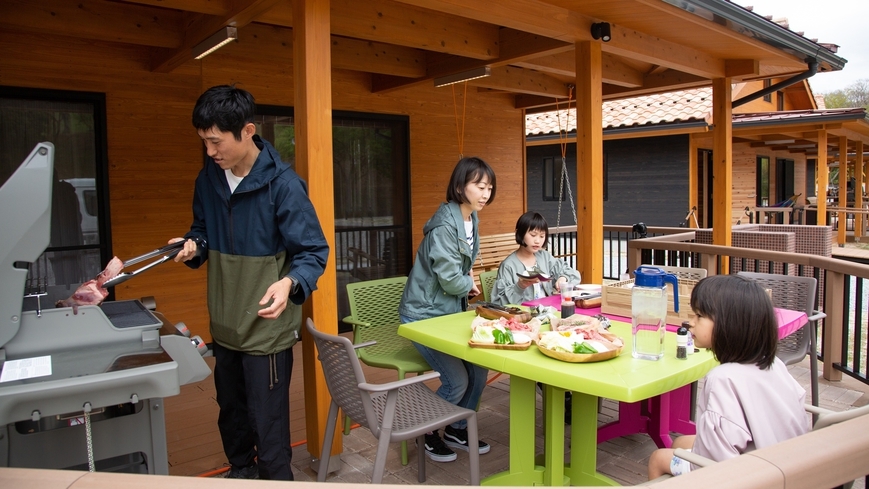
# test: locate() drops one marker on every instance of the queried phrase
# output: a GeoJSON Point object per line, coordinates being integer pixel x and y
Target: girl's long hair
{"type": "Point", "coordinates": [745, 327]}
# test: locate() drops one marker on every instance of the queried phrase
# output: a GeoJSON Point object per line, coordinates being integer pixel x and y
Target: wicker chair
{"type": "Point", "coordinates": [798, 294]}
{"type": "Point", "coordinates": [395, 411]}
{"type": "Point", "coordinates": [487, 281]}
{"type": "Point", "coordinates": [374, 317]}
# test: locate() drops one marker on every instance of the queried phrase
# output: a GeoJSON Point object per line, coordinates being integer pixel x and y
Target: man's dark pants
{"type": "Point", "coordinates": [253, 393]}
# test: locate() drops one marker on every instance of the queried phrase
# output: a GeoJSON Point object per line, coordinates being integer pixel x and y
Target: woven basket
{"type": "Point", "coordinates": [617, 300]}
{"type": "Point", "coordinates": [583, 357]}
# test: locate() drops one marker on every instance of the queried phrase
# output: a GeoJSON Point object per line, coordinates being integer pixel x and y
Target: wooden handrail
{"type": "Point", "coordinates": [797, 463]}
{"type": "Point", "coordinates": [835, 271]}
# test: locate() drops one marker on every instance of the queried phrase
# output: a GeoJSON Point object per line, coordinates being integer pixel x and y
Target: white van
{"type": "Point", "coordinates": [86, 191]}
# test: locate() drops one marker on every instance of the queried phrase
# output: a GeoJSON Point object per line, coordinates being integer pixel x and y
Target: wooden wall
{"type": "Point", "coordinates": [155, 154]}
{"type": "Point", "coordinates": [646, 180]}
{"type": "Point", "coordinates": [745, 175]}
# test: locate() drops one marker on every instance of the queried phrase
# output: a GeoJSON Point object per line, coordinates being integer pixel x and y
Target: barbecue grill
{"type": "Point", "coordinates": [78, 391]}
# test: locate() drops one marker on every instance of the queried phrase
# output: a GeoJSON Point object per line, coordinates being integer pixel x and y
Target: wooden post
{"type": "Point", "coordinates": [823, 172]}
{"type": "Point", "coordinates": [692, 179]}
{"type": "Point", "coordinates": [834, 296]}
{"type": "Point", "coordinates": [589, 160]}
{"type": "Point", "coordinates": [858, 191]}
{"type": "Point", "coordinates": [312, 78]}
{"type": "Point", "coordinates": [722, 165]}
{"type": "Point", "coordinates": [842, 219]}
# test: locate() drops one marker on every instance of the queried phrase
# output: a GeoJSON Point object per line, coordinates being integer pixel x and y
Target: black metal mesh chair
{"type": "Point", "coordinates": [797, 294]}
{"type": "Point", "coordinates": [393, 412]}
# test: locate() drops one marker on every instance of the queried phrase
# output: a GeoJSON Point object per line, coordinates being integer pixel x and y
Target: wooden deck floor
{"type": "Point", "coordinates": [195, 449]}
{"type": "Point", "coordinates": [191, 420]}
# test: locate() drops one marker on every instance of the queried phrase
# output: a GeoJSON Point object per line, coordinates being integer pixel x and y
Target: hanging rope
{"type": "Point", "coordinates": [460, 133]}
{"type": "Point", "coordinates": [562, 139]}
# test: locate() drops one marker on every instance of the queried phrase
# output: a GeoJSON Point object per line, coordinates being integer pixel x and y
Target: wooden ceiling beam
{"type": "Point", "coordinates": [515, 46]}
{"type": "Point", "coordinates": [669, 81]}
{"type": "Point", "coordinates": [536, 17]}
{"type": "Point", "coordinates": [701, 21]}
{"type": "Point", "coordinates": [96, 20]}
{"type": "Point", "coordinates": [201, 26]}
{"type": "Point", "coordinates": [394, 23]}
{"type": "Point", "coordinates": [561, 23]}
{"type": "Point", "coordinates": [373, 20]}
{"type": "Point", "coordinates": [520, 80]}
{"type": "Point", "coordinates": [736, 68]}
{"type": "Point", "coordinates": [536, 103]}
{"type": "Point", "coordinates": [208, 7]}
{"type": "Point", "coordinates": [377, 57]}
{"type": "Point", "coordinates": [654, 50]}
{"type": "Point", "coordinates": [615, 71]}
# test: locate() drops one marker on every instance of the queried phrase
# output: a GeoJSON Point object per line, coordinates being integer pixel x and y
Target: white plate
{"type": "Point", "coordinates": [588, 288]}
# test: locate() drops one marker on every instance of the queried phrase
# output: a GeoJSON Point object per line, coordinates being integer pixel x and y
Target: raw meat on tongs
{"type": "Point", "coordinates": [92, 293]}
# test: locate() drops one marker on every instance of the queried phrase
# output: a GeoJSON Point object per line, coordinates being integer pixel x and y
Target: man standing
{"type": "Point", "coordinates": [256, 227]}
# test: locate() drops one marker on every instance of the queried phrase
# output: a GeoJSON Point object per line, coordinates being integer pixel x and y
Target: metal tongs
{"type": "Point", "coordinates": [169, 251]}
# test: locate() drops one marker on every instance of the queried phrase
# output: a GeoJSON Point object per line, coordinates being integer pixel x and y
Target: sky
{"type": "Point", "coordinates": [839, 22]}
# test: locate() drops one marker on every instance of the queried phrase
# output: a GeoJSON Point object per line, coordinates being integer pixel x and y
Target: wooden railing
{"type": "Point", "coordinates": [819, 459]}
{"type": "Point", "coordinates": [842, 292]}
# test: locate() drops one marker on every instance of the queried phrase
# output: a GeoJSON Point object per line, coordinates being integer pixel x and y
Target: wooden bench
{"type": "Point", "coordinates": [494, 248]}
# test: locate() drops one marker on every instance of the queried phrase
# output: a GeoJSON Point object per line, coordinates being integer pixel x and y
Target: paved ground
{"type": "Point", "coordinates": [623, 459]}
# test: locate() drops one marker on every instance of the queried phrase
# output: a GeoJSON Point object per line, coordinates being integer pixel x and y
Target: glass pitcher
{"type": "Point", "coordinates": [649, 311]}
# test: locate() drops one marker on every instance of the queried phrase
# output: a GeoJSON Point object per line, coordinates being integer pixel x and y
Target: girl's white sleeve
{"type": "Point", "coordinates": [721, 427]}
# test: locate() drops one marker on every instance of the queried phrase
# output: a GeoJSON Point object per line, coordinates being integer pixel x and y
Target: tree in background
{"type": "Point", "coordinates": [854, 95]}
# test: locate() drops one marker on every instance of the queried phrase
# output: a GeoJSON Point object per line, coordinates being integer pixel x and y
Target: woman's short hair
{"type": "Point", "coordinates": [469, 169]}
{"type": "Point", "coordinates": [528, 222]}
{"type": "Point", "coordinates": [224, 106]}
{"type": "Point", "coordinates": [745, 326]}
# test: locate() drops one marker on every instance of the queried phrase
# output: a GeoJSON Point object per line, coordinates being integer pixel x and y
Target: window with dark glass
{"type": "Point", "coordinates": [74, 122]}
{"type": "Point", "coordinates": [372, 192]}
{"type": "Point", "coordinates": [766, 84]}
{"type": "Point", "coordinates": [762, 199]}
{"type": "Point", "coordinates": [551, 179]}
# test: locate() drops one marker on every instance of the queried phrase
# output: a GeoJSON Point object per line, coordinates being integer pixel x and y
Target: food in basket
{"type": "Point", "coordinates": [503, 331]}
{"type": "Point", "coordinates": [572, 342]}
{"type": "Point", "coordinates": [589, 326]}
{"type": "Point", "coordinates": [579, 322]}
{"type": "Point", "coordinates": [579, 338]}
{"type": "Point", "coordinates": [572, 346]}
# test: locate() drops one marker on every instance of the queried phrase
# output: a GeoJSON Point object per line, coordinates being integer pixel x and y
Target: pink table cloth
{"type": "Point", "coordinates": [668, 412]}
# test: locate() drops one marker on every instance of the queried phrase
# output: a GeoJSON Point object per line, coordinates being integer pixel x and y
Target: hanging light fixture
{"type": "Point", "coordinates": [481, 72]}
{"type": "Point", "coordinates": [216, 41]}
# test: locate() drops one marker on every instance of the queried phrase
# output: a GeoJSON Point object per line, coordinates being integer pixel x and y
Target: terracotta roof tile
{"type": "Point", "coordinates": [678, 106]}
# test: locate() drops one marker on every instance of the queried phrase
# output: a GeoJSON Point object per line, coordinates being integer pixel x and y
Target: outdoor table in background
{"type": "Point", "coordinates": [623, 378]}
{"type": "Point", "coordinates": [670, 411]}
